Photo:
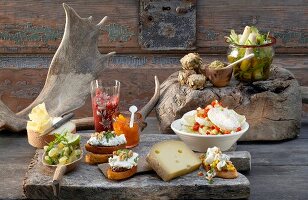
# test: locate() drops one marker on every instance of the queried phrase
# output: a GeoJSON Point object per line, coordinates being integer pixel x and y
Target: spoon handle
{"type": "Point", "coordinates": [240, 60]}
{"type": "Point", "coordinates": [131, 122]}
{"type": "Point", "coordinates": [57, 177]}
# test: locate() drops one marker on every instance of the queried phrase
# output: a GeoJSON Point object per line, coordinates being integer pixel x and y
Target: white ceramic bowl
{"type": "Point", "coordinates": [201, 143]}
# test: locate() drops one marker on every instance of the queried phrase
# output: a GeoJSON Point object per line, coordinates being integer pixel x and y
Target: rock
{"type": "Point", "coordinates": [240, 159]}
{"type": "Point", "coordinates": [87, 182]}
{"type": "Point", "coordinates": [272, 107]}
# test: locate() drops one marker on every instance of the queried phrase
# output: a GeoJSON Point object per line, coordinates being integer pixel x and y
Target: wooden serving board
{"type": "Point", "coordinates": [87, 181]}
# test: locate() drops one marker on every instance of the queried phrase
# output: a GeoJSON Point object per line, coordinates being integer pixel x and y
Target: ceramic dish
{"type": "Point", "coordinates": [201, 143]}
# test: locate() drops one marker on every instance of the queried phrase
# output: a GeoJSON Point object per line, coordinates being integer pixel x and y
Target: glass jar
{"type": "Point", "coordinates": [121, 126]}
{"type": "Point", "coordinates": [256, 68]}
{"type": "Point", "coordinates": [105, 102]}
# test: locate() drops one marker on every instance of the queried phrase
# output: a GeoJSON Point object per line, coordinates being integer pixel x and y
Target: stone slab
{"type": "Point", "coordinates": [87, 182]}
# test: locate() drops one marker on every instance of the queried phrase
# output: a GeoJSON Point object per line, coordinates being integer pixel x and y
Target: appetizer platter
{"type": "Point", "coordinates": [152, 163]}
{"type": "Point", "coordinates": [88, 180]}
{"type": "Point", "coordinates": [120, 160]}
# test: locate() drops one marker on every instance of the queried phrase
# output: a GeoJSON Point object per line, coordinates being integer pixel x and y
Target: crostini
{"type": "Point", "coordinates": [101, 146]}
{"type": "Point", "coordinates": [123, 164]}
{"type": "Point", "coordinates": [218, 164]}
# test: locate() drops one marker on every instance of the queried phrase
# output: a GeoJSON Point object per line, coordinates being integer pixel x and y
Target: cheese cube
{"type": "Point", "coordinates": [171, 159]}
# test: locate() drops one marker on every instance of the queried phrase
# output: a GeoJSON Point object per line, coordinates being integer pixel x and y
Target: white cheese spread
{"type": "Point", "coordinates": [126, 163]}
{"type": "Point", "coordinates": [213, 154]}
{"type": "Point", "coordinates": [96, 140]}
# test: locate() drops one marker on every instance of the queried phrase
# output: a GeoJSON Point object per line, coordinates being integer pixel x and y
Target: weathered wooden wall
{"type": "Point", "coordinates": [30, 32]}
{"type": "Point", "coordinates": [36, 26]}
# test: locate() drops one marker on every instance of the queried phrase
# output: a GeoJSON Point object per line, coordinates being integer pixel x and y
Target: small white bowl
{"type": "Point", "coordinates": [201, 143]}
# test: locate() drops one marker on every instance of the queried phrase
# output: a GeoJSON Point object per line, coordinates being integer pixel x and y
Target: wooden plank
{"type": "Point", "coordinates": [15, 156]}
{"type": "Point", "coordinates": [22, 77]}
{"type": "Point", "coordinates": [38, 26]}
{"type": "Point", "coordinates": [292, 152]}
{"type": "Point", "coordinates": [304, 128]}
{"type": "Point", "coordinates": [215, 19]}
{"type": "Point", "coordinates": [162, 24]}
{"type": "Point", "coordinates": [278, 182]}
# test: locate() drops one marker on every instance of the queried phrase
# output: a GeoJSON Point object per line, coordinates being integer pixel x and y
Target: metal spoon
{"type": "Point", "coordinates": [240, 60]}
{"type": "Point", "coordinates": [132, 109]}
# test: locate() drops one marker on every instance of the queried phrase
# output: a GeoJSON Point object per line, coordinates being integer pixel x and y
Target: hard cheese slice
{"type": "Point", "coordinates": [171, 159]}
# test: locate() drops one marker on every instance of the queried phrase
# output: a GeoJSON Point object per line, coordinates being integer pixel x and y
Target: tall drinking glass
{"type": "Point", "coordinates": [105, 102]}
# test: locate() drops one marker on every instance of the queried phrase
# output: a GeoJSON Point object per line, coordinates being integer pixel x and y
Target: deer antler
{"type": "Point", "coordinates": [9, 120]}
{"type": "Point", "coordinates": [145, 111]}
{"type": "Point", "coordinates": [75, 64]}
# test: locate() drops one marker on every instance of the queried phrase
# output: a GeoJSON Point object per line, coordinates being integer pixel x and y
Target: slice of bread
{"type": "Point", "coordinates": [227, 174]}
{"type": "Point", "coordinates": [222, 174]}
{"type": "Point", "coordinates": [112, 175]}
{"type": "Point", "coordinates": [103, 149]}
{"type": "Point", "coordinates": [93, 158]}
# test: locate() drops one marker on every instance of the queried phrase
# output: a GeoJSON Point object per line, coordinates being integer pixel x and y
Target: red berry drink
{"type": "Point", "coordinates": [105, 102]}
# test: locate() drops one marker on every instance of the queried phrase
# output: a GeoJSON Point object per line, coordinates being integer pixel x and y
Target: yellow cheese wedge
{"type": "Point", "coordinates": [171, 159]}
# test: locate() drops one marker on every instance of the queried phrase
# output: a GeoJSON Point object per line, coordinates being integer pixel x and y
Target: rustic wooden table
{"type": "Point", "coordinates": [278, 169]}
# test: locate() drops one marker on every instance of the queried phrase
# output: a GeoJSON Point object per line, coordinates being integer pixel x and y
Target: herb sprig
{"type": "Point", "coordinates": [108, 135]}
{"type": "Point", "coordinates": [59, 138]}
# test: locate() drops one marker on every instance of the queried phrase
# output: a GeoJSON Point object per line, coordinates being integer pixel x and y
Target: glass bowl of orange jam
{"type": "Point", "coordinates": [121, 126]}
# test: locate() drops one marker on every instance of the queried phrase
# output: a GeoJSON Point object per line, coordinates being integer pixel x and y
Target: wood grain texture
{"type": "Point", "coordinates": [167, 25]}
{"type": "Point", "coordinates": [286, 20]}
{"type": "Point", "coordinates": [16, 152]}
{"type": "Point", "coordinates": [23, 77]}
{"type": "Point", "coordinates": [278, 182]}
{"type": "Point", "coordinates": [37, 27]}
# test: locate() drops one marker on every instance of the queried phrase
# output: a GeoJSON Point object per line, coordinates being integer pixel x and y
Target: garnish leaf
{"type": "Point", "coordinates": [109, 135]}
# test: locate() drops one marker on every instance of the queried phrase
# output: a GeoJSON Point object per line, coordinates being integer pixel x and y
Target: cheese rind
{"type": "Point", "coordinates": [172, 158]}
